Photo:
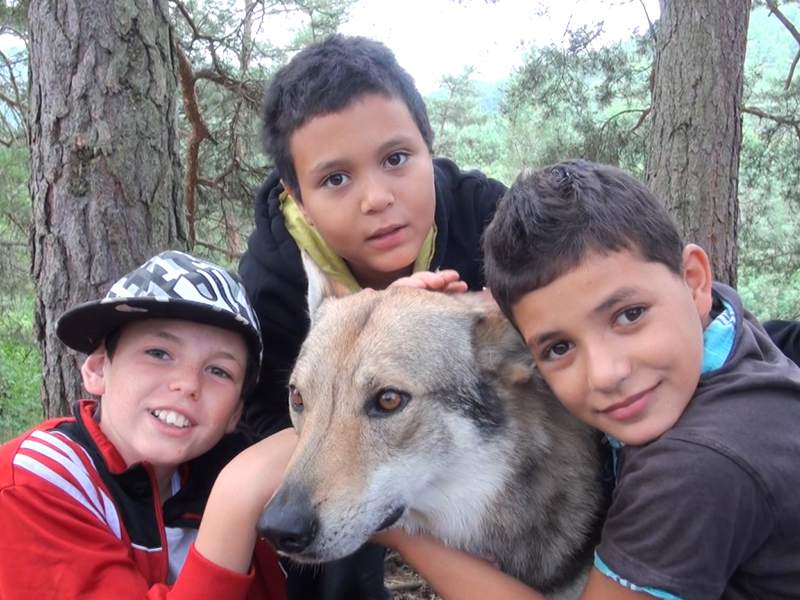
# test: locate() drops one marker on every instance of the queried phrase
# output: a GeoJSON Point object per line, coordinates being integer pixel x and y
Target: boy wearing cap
{"type": "Point", "coordinates": [108, 503]}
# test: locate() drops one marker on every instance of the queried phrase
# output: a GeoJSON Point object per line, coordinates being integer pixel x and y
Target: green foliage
{"type": "Point", "coordinates": [15, 219]}
{"type": "Point", "coordinates": [20, 368]}
{"type": "Point", "coordinates": [582, 100]}
{"type": "Point", "coordinates": [769, 171]}
{"type": "Point", "coordinates": [467, 126]}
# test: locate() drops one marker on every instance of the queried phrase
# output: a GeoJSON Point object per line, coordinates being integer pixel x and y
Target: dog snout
{"type": "Point", "coordinates": [289, 522]}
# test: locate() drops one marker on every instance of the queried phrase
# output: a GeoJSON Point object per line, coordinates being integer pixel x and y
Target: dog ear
{"type": "Point", "coordinates": [320, 286]}
{"type": "Point", "coordinates": [499, 348]}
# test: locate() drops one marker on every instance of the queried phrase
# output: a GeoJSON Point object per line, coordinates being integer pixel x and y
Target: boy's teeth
{"type": "Point", "coordinates": [170, 417]}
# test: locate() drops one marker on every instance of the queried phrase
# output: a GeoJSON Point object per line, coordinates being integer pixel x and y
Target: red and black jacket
{"type": "Point", "coordinates": [77, 522]}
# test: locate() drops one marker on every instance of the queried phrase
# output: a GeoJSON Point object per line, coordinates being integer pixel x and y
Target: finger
{"type": "Point", "coordinates": [449, 275]}
{"type": "Point", "coordinates": [412, 281]}
{"type": "Point", "coordinates": [433, 281]}
{"type": "Point", "coordinates": [456, 287]}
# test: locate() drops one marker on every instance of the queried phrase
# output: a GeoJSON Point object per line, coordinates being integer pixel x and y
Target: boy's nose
{"type": "Point", "coordinates": [185, 382]}
{"type": "Point", "coordinates": [607, 369]}
{"type": "Point", "coordinates": [376, 197]}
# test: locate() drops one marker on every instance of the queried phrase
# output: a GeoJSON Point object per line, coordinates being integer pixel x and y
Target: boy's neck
{"type": "Point", "coordinates": [164, 480]}
{"type": "Point", "coordinates": [379, 281]}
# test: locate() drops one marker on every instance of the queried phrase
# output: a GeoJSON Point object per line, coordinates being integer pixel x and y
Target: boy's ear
{"type": "Point", "coordinates": [93, 372]}
{"type": "Point", "coordinates": [697, 276]}
{"type": "Point", "coordinates": [320, 286]}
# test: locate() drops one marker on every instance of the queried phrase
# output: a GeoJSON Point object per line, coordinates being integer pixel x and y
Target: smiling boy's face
{"type": "Point", "coordinates": [366, 182]}
{"type": "Point", "coordinates": [619, 339]}
{"type": "Point", "coordinates": [171, 391]}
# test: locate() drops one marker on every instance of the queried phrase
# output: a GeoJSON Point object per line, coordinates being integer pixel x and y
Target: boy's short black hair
{"type": "Point", "coordinates": [550, 219]}
{"type": "Point", "coordinates": [326, 77]}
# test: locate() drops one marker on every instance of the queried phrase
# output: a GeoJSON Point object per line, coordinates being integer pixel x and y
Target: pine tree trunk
{"type": "Point", "coordinates": [693, 158]}
{"type": "Point", "coordinates": [105, 173]}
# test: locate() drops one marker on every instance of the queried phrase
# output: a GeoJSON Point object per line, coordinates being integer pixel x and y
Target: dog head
{"type": "Point", "coordinates": [394, 394]}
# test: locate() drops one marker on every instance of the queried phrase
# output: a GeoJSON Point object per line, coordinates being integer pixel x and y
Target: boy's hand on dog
{"type": "Point", "coordinates": [447, 281]}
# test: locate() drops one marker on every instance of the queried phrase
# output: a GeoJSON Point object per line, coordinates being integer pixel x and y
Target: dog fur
{"type": "Point", "coordinates": [478, 452]}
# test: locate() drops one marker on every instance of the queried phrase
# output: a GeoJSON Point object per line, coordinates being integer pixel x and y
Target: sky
{"type": "Point", "coordinates": [433, 38]}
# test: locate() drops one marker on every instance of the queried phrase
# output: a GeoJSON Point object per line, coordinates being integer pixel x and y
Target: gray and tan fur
{"type": "Point", "coordinates": [479, 454]}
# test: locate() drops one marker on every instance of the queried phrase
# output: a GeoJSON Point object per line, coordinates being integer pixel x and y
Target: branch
{"type": "Point", "coordinates": [625, 112]}
{"type": "Point", "coordinates": [14, 221]}
{"type": "Point", "coordinates": [649, 24]}
{"type": "Point", "coordinates": [645, 112]}
{"type": "Point", "coordinates": [791, 71]}
{"type": "Point", "coordinates": [773, 8]}
{"type": "Point", "coordinates": [198, 133]}
{"type": "Point", "coordinates": [15, 102]}
{"type": "Point", "coordinates": [188, 18]}
{"type": "Point", "coordinates": [225, 251]}
{"type": "Point", "coordinates": [782, 120]}
{"type": "Point", "coordinates": [251, 93]}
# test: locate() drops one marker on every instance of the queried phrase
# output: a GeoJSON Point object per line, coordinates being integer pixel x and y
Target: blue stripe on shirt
{"type": "Point", "coordinates": [718, 339]}
{"type": "Point", "coordinates": [656, 593]}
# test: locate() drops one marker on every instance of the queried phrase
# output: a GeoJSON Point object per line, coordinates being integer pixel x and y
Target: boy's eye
{"type": "Point", "coordinates": [218, 372]}
{"type": "Point", "coordinates": [396, 159]}
{"type": "Point", "coordinates": [557, 350]}
{"type": "Point", "coordinates": [630, 315]}
{"type": "Point", "coordinates": [157, 353]}
{"type": "Point", "coordinates": [335, 180]}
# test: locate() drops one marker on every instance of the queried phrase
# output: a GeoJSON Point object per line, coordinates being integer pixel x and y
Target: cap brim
{"type": "Point", "coordinates": [85, 326]}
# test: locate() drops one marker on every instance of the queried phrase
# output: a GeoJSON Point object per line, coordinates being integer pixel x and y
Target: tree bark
{"type": "Point", "coordinates": [105, 173]}
{"type": "Point", "coordinates": [693, 158]}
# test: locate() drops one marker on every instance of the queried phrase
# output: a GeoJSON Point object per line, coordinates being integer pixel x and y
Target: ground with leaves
{"type": "Point", "coordinates": [404, 583]}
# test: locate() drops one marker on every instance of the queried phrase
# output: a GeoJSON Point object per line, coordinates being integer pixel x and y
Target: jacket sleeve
{"type": "Point", "coordinates": [53, 547]}
{"type": "Point", "coordinates": [786, 335]}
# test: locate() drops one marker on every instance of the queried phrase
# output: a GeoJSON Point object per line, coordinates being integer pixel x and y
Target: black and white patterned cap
{"type": "Point", "coordinates": [171, 285]}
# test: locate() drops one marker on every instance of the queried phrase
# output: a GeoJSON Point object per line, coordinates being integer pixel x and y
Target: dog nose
{"type": "Point", "coordinates": [290, 525]}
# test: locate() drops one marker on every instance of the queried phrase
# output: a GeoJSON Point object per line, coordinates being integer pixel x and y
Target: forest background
{"type": "Point", "coordinates": [581, 95]}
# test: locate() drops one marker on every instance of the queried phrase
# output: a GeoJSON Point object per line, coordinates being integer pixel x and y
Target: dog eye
{"type": "Point", "coordinates": [388, 401]}
{"type": "Point", "coordinates": [295, 399]}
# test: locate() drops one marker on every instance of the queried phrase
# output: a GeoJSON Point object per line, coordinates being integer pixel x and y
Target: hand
{"type": "Point", "coordinates": [447, 281]}
{"type": "Point", "coordinates": [254, 475]}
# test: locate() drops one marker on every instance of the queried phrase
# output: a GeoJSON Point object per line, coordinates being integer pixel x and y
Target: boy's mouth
{"type": "Point", "coordinates": [630, 407]}
{"type": "Point", "coordinates": [387, 238]}
{"type": "Point", "coordinates": [384, 231]}
{"type": "Point", "coordinates": [170, 417]}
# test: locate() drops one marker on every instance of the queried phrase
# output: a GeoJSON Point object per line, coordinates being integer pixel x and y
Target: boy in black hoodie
{"type": "Point", "coordinates": [357, 189]}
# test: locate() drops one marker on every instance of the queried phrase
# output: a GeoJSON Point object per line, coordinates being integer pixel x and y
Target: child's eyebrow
{"type": "Point", "coordinates": [174, 338]}
{"type": "Point", "coordinates": [617, 296]}
{"type": "Point", "coordinates": [327, 165]}
{"type": "Point", "coordinates": [539, 340]}
{"type": "Point", "coordinates": [391, 144]}
{"type": "Point", "coordinates": [167, 336]}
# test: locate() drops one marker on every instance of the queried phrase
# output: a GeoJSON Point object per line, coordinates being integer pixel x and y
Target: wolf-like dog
{"type": "Point", "coordinates": [425, 411]}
